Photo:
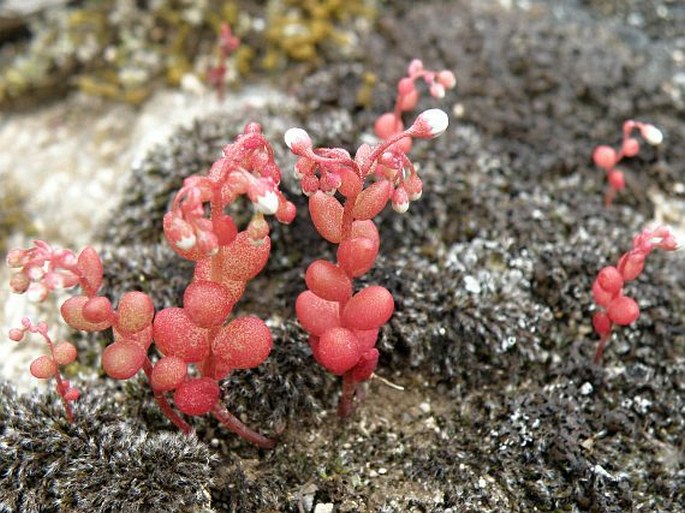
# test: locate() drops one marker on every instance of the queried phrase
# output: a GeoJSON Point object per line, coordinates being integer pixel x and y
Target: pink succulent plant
{"type": "Point", "coordinates": [343, 325]}
{"type": "Point", "coordinates": [615, 308]}
{"type": "Point", "coordinates": [196, 334]}
{"type": "Point", "coordinates": [608, 158]}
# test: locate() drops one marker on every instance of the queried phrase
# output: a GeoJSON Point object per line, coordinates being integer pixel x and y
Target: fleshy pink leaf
{"type": "Point", "coordinates": [168, 373]}
{"type": "Point", "coordinates": [197, 396]}
{"type": "Point", "coordinates": [136, 311]}
{"type": "Point", "coordinates": [387, 125]}
{"type": "Point", "coordinates": [43, 367]}
{"type": "Point", "coordinates": [243, 343]}
{"type": "Point", "coordinates": [351, 182]}
{"type": "Point", "coordinates": [90, 267]}
{"type": "Point", "coordinates": [366, 229]}
{"type": "Point", "coordinates": [328, 281]}
{"type": "Point", "coordinates": [326, 213]}
{"type": "Point", "coordinates": [98, 309]}
{"type": "Point", "coordinates": [601, 323]}
{"type": "Point", "coordinates": [72, 313]}
{"type": "Point", "coordinates": [338, 350]}
{"type": "Point", "coordinates": [176, 335]}
{"type": "Point", "coordinates": [122, 360]}
{"type": "Point", "coordinates": [316, 315]}
{"type": "Point", "coordinates": [207, 303]}
{"type": "Point", "coordinates": [64, 353]}
{"type": "Point", "coordinates": [623, 310]}
{"type": "Point", "coordinates": [368, 309]}
{"type": "Point", "coordinates": [366, 366]}
{"type": "Point", "coordinates": [601, 296]}
{"type": "Point", "coordinates": [610, 280]}
{"type": "Point", "coordinates": [372, 200]}
{"type": "Point", "coordinates": [604, 156]}
{"type": "Point", "coordinates": [242, 260]}
{"type": "Point", "coordinates": [630, 265]}
{"type": "Point", "coordinates": [357, 255]}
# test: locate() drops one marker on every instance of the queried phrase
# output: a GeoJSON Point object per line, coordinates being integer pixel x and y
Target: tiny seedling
{"type": "Point", "coordinates": [616, 308]}
{"type": "Point", "coordinates": [608, 158]}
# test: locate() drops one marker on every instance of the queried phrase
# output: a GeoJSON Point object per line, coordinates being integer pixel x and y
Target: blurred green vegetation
{"type": "Point", "coordinates": [123, 49]}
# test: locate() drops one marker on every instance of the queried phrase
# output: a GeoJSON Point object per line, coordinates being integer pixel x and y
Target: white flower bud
{"type": "Point", "coordinates": [37, 292]}
{"type": "Point", "coordinates": [652, 135]}
{"type": "Point", "coordinates": [296, 138]}
{"type": "Point", "coordinates": [186, 243]}
{"type": "Point", "coordinates": [267, 203]}
{"type": "Point", "coordinates": [430, 123]}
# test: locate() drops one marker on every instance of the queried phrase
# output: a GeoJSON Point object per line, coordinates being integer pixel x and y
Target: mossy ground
{"type": "Point", "coordinates": [503, 409]}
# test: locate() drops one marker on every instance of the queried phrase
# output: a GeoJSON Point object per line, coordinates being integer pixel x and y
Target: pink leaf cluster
{"type": "Point", "coordinates": [607, 290]}
{"type": "Point", "coordinates": [407, 99]}
{"type": "Point", "coordinates": [608, 158]}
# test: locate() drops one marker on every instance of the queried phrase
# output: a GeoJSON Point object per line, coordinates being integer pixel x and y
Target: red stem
{"type": "Point", "coordinates": [603, 341]}
{"type": "Point", "coordinates": [346, 405]}
{"type": "Point", "coordinates": [231, 422]}
{"type": "Point", "coordinates": [164, 405]}
{"type": "Point", "coordinates": [380, 148]}
{"type": "Point", "coordinates": [61, 389]}
{"type": "Point", "coordinates": [61, 392]}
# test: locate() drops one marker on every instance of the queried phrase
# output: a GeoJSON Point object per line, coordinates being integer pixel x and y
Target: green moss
{"type": "Point", "coordinates": [297, 29]}
{"type": "Point", "coordinates": [123, 50]}
{"type": "Point", "coordinates": [118, 50]}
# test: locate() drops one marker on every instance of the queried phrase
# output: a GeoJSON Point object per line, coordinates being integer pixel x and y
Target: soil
{"type": "Point", "coordinates": [502, 408]}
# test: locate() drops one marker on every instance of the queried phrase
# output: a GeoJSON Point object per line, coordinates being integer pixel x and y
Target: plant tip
{"type": "Point", "coordinates": [652, 135]}
{"type": "Point", "coordinates": [431, 123]}
{"type": "Point", "coordinates": [296, 138]}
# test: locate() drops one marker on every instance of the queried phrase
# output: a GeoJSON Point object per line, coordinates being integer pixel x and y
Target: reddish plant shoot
{"type": "Point", "coordinates": [226, 44]}
{"type": "Point", "coordinates": [614, 307]}
{"type": "Point", "coordinates": [48, 366]}
{"type": "Point", "coordinates": [608, 158]}
{"type": "Point", "coordinates": [438, 82]}
{"type": "Point", "coordinates": [343, 325]}
{"type": "Point", "coordinates": [198, 333]}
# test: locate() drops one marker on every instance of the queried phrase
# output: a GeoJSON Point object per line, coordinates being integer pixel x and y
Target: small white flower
{"type": "Point", "coordinates": [400, 207]}
{"type": "Point", "coordinates": [296, 138]}
{"type": "Point", "coordinates": [186, 243]}
{"type": "Point", "coordinates": [431, 123]}
{"type": "Point", "coordinates": [652, 135]}
{"type": "Point", "coordinates": [37, 292]}
{"type": "Point", "coordinates": [36, 273]}
{"type": "Point", "coordinates": [267, 203]}
{"type": "Point", "coordinates": [416, 195]}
